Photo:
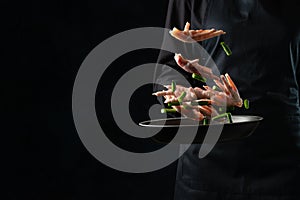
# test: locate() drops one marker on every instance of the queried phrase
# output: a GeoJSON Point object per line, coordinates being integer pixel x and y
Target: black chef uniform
{"type": "Point", "coordinates": [264, 38]}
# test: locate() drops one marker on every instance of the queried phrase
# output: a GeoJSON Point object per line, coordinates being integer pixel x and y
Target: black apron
{"type": "Point", "coordinates": [264, 39]}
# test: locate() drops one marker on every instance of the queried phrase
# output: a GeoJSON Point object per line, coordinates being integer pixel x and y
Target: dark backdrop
{"type": "Point", "coordinates": [47, 159]}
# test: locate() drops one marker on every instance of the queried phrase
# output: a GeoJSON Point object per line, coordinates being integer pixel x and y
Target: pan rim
{"type": "Point", "coordinates": [147, 123]}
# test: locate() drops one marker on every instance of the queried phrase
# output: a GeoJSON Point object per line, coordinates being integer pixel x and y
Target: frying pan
{"type": "Point", "coordinates": [242, 127]}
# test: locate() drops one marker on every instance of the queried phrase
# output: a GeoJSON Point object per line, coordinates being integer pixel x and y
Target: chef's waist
{"type": "Point", "coordinates": [273, 104]}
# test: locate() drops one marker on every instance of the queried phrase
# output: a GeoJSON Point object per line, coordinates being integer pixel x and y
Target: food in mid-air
{"type": "Point", "coordinates": [201, 103]}
{"type": "Point", "coordinates": [191, 36]}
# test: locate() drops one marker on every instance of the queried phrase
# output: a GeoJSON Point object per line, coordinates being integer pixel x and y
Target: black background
{"type": "Point", "coordinates": [46, 157]}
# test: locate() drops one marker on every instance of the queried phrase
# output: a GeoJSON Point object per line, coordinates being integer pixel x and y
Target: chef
{"type": "Point", "coordinates": [264, 39]}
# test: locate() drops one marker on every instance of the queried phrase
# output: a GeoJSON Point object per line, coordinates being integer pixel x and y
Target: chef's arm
{"type": "Point", "coordinates": [298, 70]}
{"type": "Point", "coordinates": [297, 61]}
{"type": "Point", "coordinates": [295, 58]}
{"type": "Point", "coordinates": [298, 75]}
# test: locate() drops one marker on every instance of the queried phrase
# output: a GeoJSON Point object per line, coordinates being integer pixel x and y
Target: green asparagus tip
{"type": "Point", "coordinates": [168, 110]}
{"type": "Point", "coordinates": [200, 103]}
{"type": "Point", "coordinates": [173, 86]}
{"type": "Point", "coordinates": [205, 121]}
{"type": "Point", "coordinates": [226, 48]}
{"type": "Point", "coordinates": [174, 104]}
{"type": "Point", "coordinates": [219, 116]}
{"type": "Point", "coordinates": [246, 104]}
{"type": "Point", "coordinates": [227, 115]}
{"type": "Point", "coordinates": [199, 77]}
{"type": "Point", "coordinates": [181, 97]}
